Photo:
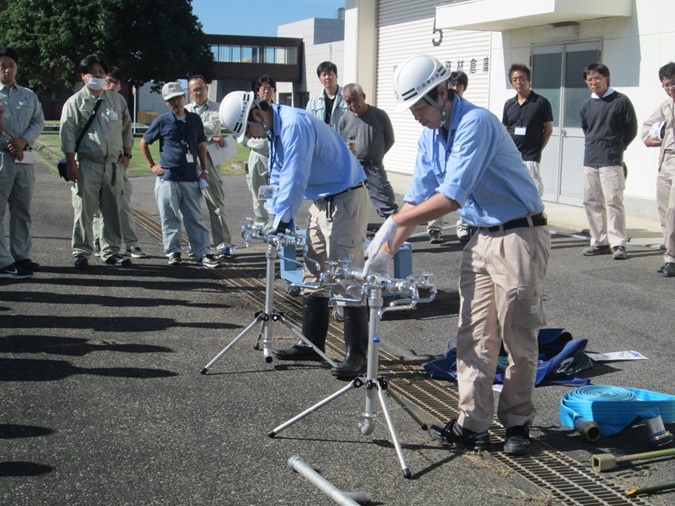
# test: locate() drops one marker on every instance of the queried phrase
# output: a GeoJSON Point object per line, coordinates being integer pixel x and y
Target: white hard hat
{"type": "Point", "coordinates": [234, 111]}
{"type": "Point", "coordinates": [415, 77]}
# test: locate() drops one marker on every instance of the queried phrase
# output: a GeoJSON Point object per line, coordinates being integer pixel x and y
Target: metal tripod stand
{"type": "Point", "coordinates": [268, 316]}
{"type": "Point", "coordinates": [372, 289]}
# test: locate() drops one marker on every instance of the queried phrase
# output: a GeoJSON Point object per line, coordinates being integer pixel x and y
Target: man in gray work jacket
{"type": "Point", "coordinates": [22, 120]}
{"type": "Point", "coordinates": [95, 168]}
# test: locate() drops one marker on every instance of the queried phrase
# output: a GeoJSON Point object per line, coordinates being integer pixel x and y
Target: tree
{"type": "Point", "coordinates": [157, 40]}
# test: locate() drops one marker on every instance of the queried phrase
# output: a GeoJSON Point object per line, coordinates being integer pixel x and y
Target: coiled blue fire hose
{"type": "Point", "coordinates": [596, 410]}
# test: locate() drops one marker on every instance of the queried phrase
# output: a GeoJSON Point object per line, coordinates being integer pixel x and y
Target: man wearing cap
{"type": "Point", "coordinates": [214, 193]}
{"type": "Point", "coordinates": [182, 172]}
{"type": "Point", "coordinates": [309, 160]}
{"type": "Point", "coordinates": [504, 262]}
{"type": "Point", "coordinates": [96, 168]}
{"type": "Point", "coordinates": [23, 121]}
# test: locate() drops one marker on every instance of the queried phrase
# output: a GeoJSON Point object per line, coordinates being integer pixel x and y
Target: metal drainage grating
{"type": "Point", "coordinates": [564, 478]}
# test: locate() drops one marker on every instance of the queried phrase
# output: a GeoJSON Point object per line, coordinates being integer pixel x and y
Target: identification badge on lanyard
{"type": "Point", "coordinates": [266, 192]}
{"type": "Point", "coordinates": [189, 158]}
{"type": "Point", "coordinates": [520, 130]}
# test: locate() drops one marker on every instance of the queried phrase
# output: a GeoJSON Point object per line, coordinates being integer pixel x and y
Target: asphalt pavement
{"type": "Point", "coordinates": [103, 400]}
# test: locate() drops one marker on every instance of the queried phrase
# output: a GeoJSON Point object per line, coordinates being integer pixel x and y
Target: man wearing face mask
{"type": "Point", "coordinates": [96, 168]}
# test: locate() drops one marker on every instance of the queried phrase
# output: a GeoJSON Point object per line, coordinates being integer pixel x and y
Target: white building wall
{"type": "Point", "coordinates": [633, 49]}
{"type": "Point", "coordinates": [405, 29]}
{"type": "Point", "coordinates": [361, 46]}
{"type": "Point", "coordinates": [309, 30]}
{"type": "Point", "coordinates": [332, 51]}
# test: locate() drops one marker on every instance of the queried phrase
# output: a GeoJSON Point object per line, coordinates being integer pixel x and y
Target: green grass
{"type": "Point", "coordinates": [48, 151]}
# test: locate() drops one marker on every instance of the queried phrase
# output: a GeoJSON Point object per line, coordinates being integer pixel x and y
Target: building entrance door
{"type": "Point", "coordinates": [557, 72]}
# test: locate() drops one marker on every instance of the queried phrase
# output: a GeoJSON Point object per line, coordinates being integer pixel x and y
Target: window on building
{"type": "Point", "coordinates": [246, 54]}
{"type": "Point", "coordinates": [255, 54]}
{"type": "Point", "coordinates": [291, 56]}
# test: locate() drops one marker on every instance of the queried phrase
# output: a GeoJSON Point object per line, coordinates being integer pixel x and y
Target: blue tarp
{"type": "Point", "coordinates": [560, 357]}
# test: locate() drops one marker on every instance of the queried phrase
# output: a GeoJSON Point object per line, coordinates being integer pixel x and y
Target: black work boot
{"type": "Point", "coordinates": [356, 343]}
{"type": "Point", "coordinates": [315, 318]}
{"type": "Point", "coordinates": [455, 433]}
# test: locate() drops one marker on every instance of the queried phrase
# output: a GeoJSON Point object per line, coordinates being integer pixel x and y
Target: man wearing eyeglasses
{"type": "Point", "coordinates": [657, 131]}
{"type": "Point", "coordinates": [214, 193]}
{"type": "Point", "coordinates": [609, 123]}
{"type": "Point", "coordinates": [257, 173]}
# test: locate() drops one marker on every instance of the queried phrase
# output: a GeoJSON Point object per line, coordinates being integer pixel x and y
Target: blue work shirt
{"type": "Point", "coordinates": [308, 160]}
{"type": "Point", "coordinates": [177, 139]}
{"type": "Point", "coordinates": [478, 166]}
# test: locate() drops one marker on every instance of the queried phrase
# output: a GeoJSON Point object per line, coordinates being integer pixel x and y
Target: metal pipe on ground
{"type": "Point", "coordinates": [298, 465]}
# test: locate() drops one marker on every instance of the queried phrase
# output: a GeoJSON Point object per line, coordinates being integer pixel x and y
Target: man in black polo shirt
{"type": "Point", "coordinates": [529, 120]}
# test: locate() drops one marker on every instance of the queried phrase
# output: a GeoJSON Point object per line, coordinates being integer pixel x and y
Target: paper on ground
{"type": "Point", "coordinates": [616, 355]}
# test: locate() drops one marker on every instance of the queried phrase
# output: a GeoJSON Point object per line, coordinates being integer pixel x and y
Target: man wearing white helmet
{"type": "Point", "coordinates": [503, 264]}
{"type": "Point", "coordinates": [309, 160]}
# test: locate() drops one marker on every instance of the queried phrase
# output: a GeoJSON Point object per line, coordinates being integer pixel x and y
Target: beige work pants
{"type": "Point", "coordinates": [501, 292]}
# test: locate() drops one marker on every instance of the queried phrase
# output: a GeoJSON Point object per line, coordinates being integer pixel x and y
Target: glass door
{"type": "Point", "coordinates": [557, 74]}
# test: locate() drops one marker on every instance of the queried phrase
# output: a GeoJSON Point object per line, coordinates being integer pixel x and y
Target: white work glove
{"type": "Point", "coordinates": [269, 227]}
{"type": "Point", "coordinates": [378, 263]}
{"type": "Point", "coordinates": [383, 236]}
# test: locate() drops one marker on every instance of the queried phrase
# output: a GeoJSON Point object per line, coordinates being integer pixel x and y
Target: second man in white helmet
{"type": "Point", "coordinates": [504, 262]}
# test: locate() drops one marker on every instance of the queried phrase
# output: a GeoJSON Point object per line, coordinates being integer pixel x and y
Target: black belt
{"type": "Point", "coordinates": [363, 161]}
{"type": "Point", "coordinates": [537, 220]}
{"type": "Point", "coordinates": [331, 197]}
